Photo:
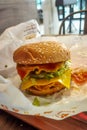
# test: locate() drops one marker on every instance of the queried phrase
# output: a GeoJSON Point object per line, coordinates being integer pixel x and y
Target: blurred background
{"type": "Point", "coordinates": [48, 13]}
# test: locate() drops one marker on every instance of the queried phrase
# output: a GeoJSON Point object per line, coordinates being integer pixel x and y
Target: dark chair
{"type": "Point", "coordinates": [70, 19]}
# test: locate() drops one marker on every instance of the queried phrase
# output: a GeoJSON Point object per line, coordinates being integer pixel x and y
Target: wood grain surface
{"type": "Point", "coordinates": [8, 122]}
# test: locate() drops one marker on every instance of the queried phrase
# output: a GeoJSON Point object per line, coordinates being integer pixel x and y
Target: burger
{"type": "Point", "coordinates": [44, 67]}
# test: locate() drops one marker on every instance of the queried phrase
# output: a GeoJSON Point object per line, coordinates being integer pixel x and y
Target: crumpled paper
{"type": "Point", "coordinates": [11, 39]}
{"type": "Point", "coordinates": [57, 106]}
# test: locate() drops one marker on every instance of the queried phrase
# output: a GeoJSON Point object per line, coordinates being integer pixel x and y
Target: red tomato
{"type": "Point", "coordinates": [21, 72]}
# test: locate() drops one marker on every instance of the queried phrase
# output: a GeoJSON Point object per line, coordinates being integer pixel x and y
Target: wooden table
{"type": "Point", "coordinates": [9, 122]}
{"type": "Point", "coordinates": [18, 122]}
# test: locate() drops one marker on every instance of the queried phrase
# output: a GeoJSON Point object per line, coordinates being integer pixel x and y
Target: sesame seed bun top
{"type": "Point", "coordinates": [41, 53]}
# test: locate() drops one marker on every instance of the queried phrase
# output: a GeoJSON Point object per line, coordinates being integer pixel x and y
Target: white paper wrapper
{"type": "Point", "coordinates": [58, 106]}
{"type": "Point", "coordinates": [11, 39]}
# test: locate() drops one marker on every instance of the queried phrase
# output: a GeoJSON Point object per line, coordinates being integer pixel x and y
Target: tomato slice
{"type": "Point", "coordinates": [21, 73]}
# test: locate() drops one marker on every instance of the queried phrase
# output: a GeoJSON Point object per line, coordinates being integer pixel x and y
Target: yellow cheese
{"type": "Point", "coordinates": [63, 79]}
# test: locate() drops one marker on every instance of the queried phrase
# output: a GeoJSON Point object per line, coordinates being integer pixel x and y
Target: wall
{"type": "Point", "coordinates": [13, 12]}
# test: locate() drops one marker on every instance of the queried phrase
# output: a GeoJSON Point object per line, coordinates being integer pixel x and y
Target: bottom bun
{"type": "Point", "coordinates": [45, 90]}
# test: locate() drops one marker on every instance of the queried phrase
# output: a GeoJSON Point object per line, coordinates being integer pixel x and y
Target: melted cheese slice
{"type": "Point", "coordinates": [64, 80]}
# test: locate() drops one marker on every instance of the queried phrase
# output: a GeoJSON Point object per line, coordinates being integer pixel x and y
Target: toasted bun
{"type": "Point", "coordinates": [41, 53]}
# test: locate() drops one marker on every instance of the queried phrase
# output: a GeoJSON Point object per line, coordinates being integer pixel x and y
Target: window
{"type": "Point", "coordinates": [39, 4]}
